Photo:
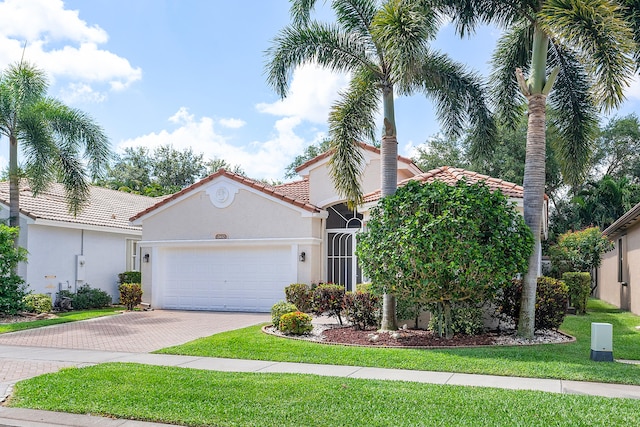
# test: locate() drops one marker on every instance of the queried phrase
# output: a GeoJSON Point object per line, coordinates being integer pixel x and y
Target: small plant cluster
{"type": "Point", "coordinates": [37, 303]}
{"type": "Point", "coordinates": [87, 297]}
{"type": "Point", "coordinates": [579, 286]}
{"type": "Point", "coordinates": [12, 287]}
{"type": "Point", "coordinates": [295, 323]}
{"type": "Point", "coordinates": [286, 317]}
{"type": "Point", "coordinates": [130, 294]}
{"type": "Point", "coordinates": [552, 296]}
{"type": "Point", "coordinates": [361, 308]}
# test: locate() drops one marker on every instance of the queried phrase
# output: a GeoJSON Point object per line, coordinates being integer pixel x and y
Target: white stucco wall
{"type": "Point", "coordinates": [609, 288]}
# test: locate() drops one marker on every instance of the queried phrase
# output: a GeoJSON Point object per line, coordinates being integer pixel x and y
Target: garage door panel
{"type": "Point", "coordinates": [233, 279]}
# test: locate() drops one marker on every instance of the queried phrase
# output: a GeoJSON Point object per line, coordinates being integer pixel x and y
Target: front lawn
{"type": "Point", "coordinates": [197, 398]}
{"type": "Point", "coordinates": [71, 316]}
{"type": "Point", "coordinates": [560, 361]}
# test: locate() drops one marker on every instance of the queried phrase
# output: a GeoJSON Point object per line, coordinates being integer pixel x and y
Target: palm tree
{"type": "Point", "coordinates": [56, 140]}
{"type": "Point", "coordinates": [384, 47]}
{"type": "Point", "coordinates": [583, 50]}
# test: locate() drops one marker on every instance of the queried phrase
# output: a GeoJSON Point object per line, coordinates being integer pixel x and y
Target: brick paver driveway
{"type": "Point", "coordinates": [132, 332]}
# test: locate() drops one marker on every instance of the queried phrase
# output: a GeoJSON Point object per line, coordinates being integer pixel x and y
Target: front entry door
{"type": "Point", "coordinates": [342, 264]}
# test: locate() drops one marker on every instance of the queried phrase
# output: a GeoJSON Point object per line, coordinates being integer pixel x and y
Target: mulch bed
{"type": "Point", "coordinates": [402, 338]}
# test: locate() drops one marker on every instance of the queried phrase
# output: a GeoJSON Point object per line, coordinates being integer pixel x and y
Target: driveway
{"type": "Point", "coordinates": [130, 332]}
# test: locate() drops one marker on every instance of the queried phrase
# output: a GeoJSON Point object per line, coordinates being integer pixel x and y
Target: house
{"type": "Point", "coordinates": [230, 243]}
{"type": "Point", "coordinates": [66, 251]}
{"type": "Point", "coordinates": [618, 277]}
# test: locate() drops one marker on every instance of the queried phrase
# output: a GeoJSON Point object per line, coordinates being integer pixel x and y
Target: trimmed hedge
{"type": "Point", "coordinates": [278, 310]}
{"type": "Point", "coordinates": [328, 299]}
{"type": "Point", "coordinates": [38, 303]}
{"type": "Point", "coordinates": [579, 286]}
{"type": "Point", "coordinates": [87, 297]}
{"type": "Point", "coordinates": [362, 309]}
{"type": "Point", "coordinates": [130, 294]}
{"type": "Point", "coordinates": [552, 296]}
{"type": "Point", "coordinates": [296, 323]}
{"type": "Point", "coordinates": [299, 295]}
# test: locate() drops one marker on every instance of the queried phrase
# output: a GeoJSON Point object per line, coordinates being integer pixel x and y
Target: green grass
{"type": "Point", "coordinates": [198, 398]}
{"type": "Point", "coordinates": [72, 316]}
{"type": "Point", "coordinates": [560, 361]}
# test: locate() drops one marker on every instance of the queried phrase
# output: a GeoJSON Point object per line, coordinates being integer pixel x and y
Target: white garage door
{"type": "Point", "coordinates": [229, 279]}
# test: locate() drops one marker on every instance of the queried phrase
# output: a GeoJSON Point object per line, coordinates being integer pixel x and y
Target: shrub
{"type": "Point", "coordinates": [296, 323]}
{"type": "Point", "coordinates": [579, 286]}
{"type": "Point", "coordinates": [551, 302]}
{"type": "Point", "coordinates": [362, 309]}
{"type": "Point", "coordinates": [328, 299]}
{"type": "Point", "coordinates": [38, 303]}
{"type": "Point", "coordinates": [299, 295]}
{"type": "Point", "coordinates": [278, 309]}
{"type": "Point", "coordinates": [130, 277]}
{"type": "Point", "coordinates": [466, 319]}
{"type": "Point", "coordinates": [12, 288]}
{"type": "Point", "coordinates": [130, 294]}
{"type": "Point", "coordinates": [87, 297]}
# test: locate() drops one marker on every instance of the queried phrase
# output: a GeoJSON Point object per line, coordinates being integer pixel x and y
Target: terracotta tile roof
{"type": "Point", "coordinates": [267, 189]}
{"type": "Point", "coordinates": [362, 145]}
{"type": "Point", "coordinates": [298, 190]}
{"type": "Point", "coordinates": [452, 175]}
{"type": "Point", "coordinates": [106, 208]}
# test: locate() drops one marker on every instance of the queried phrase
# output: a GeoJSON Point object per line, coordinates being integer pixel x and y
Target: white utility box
{"type": "Point", "coordinates": [602, 342]}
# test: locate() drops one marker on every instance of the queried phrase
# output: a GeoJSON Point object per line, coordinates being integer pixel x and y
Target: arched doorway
{"type": "Point", "coordinates": [342, 264]}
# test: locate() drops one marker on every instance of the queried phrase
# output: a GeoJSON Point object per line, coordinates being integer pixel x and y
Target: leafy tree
{"type": "Point", "coordinates": [579, 251]}
{"type": "Point", "coordinates": [59, 143]}
{"type": "Point", "coordinates": [310, 152]}
{"type": "Point", "coordinates": [583, 51]}
{"type": "Point", "coordinates": [384, 46]}
{"type": "Point", "coordinates": [444, 243]}
{"type": "Point", "coordinates": [12, 289]}
{"type": "Point", "coordinates": [175, 168]}
{"type": "Point", "coordinates": [130, 172]}
{"type": "Point", "coordinates": [617, 152]}
{"type": "Point", "coordinates": [439, 151]}
{"type": "Point", "coordinates": [216, 164]}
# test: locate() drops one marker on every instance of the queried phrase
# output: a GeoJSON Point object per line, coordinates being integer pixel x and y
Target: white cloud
{"type": "Point", "coordinates": [74, 93]}
{"type": "Point", "coordinates": [310, 96]}
{"type": "Point", "coordinates": [260, 159]}
{"type": "Point", "coordinates": [633, 91]}
{"type": "Point", "coordinates": [62, 44]}
{"type": "Point", "coordinates": [232, 123]}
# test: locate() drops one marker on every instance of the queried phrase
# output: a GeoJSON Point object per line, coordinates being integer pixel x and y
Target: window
{"type": "Point", "coordinates": [620, 261]}
{"type": "Point", "coordinates": [133, 259]}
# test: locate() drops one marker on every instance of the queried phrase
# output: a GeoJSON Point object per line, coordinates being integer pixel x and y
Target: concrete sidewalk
{"type": "Point", "coordinates": [56, 358]}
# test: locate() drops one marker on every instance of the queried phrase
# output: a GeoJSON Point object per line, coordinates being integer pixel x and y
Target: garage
{"type": "Point", "coordinates": [223, 278]}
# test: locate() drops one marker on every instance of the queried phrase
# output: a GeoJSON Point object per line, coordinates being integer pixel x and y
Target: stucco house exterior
{"type": "Point", "coordinates": [67, 251]}
{"type": "Point", "coordinates": [230, 243]}
{"type": "Point", "coordinates": [619, 274]}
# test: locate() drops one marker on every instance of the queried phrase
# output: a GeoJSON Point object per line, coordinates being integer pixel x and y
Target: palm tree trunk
{"type": "Point", "coordinates": [534, 178]}
{"type": "Point", "coordinates": [534, 175]}
{"type": "Point", "coordinates": [14, 187]}
{"type": "Point", "coordinates": [388, 185]}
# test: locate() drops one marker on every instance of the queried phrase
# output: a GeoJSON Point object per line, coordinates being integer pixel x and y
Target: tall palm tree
{"type": "Point", "coordinates": [57, 141]}
{"type": "Point", "coordinates": [582, 49]}
{"type": "Point", "coordinates": [384, 46]}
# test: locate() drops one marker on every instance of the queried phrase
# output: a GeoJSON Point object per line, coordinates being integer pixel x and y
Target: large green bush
{"type": "Point", "coordinates": [328, 299]}
{"type": "Point", "coordinates": [12, 287]}
{"type": "Point", "coordinates": [87, 297]}
{"type": "Point", "coordinates": [130, 294]}
{"type": "Point", "coordinates": [299, 294]}
{"type": "Point", "coordinates": [280, 308]}
{"type": "Point", "coordinates": [578, 251]}
{"type": "Point", "coordinates": [440, 243]}
{"type": "Point", "coordinates": [38, 303]}
{"type": "Point", "coordinates": [552, 296]}
{"type": "Point", "coordinates": [579, 286]}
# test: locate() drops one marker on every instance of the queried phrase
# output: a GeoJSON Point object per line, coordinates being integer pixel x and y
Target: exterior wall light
{"type": "Point", "coordinates": [145, 258]}
{"type": "Point", "coordinates": [303, 256]}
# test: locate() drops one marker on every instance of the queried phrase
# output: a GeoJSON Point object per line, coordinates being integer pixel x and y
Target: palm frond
{"type": "Point", "coordinates": [402, 30]}
{"type": "Point", "coordinates": [74, 179]}
{"type": "Point", "coordinates": [352, 119]}
{"type": "Point", "coordinates": [459, 98]}
{"type": "Point", "coordinates": [631, 12]}
{"type": "Point", "coordinates": [39, 149]}
{"type": "Point", "coordinates": [597, 30]}
{"type": "Point", "coordinates": [21, 85]}
{"type": "Point", "coordinates": [513, 51]}
{"type": "Point", "coordinates": [300, 11]}
{"type": "Point", "coordinates": [576, 120]}
{"type": "Point", "coordinates": [325, 45]}
{"type": "Point", "coordinates": [355, 16]}
{"type": "Point", "coordinates": [467, 15]}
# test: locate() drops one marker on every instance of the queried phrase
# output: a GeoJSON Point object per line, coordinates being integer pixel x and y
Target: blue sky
{"type": "Point", "coordinates": [190, 73]}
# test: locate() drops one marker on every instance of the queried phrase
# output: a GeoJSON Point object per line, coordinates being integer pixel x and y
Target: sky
{"type": "Point", "coordinates": [190, 73]}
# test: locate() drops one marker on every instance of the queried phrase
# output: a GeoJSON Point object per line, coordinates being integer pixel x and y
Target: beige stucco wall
{"type": "Point", "coordinates": [609, 288]}
{"type": "Point", "coordinates": [249, 216]}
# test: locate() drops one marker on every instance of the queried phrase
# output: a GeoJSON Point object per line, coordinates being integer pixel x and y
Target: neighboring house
{"type": "Point", "coordinates": [619, 273]}
{"type": "Point", "coordinates": [67, 251]}
{"type": "Point", "coordinates": [231, 243]}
